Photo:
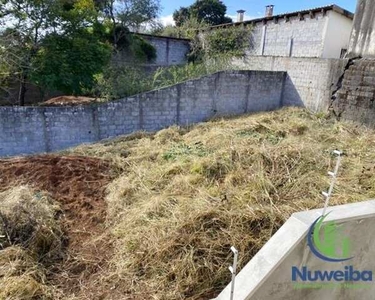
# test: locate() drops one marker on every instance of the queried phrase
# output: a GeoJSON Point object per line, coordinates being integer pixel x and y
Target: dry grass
{"type": "Point", "coordinates": [16, 261]}
{"type": "Point", "coordinates": [23, 287]}
{"type": "Point", "coordinates": [32, 220]}
{"type": "Point", "coordinates": [21, 277]}
{"type": "Point", "coordinates": [31, 237]}
{"type": "Point", "coordinates": [28, 219]}
{"type": "Point", "coordinates": [184, 196]}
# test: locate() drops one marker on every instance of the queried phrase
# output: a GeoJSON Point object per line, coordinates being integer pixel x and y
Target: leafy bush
{"type": "Point", "coordinates": [121, 81]}
{"type": "Point", "coordinates": [176, 74]}
{"type": "Point", "coordinates": [230, 41]}
{"type": "Point", "coordinates": [70, 63]}
{"type": "Point", "coordinates": [131, 46]}
{"type": "Point", "coordinates": [211, 51]}
{"type": "Point", "coordinates": [187, 30]}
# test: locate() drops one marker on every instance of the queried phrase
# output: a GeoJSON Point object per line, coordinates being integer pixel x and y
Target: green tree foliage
{"type": "Point", "coordinates": [206, 44]}
{"type": "Point", "coordinates": [69, 63]}
{"type": "Point", "coordinates": [132, 13]}
{"type": "Point", "coordinates": [31, 25]}
{"type": "Point", "coordinates": [11, 55]}
{"type": "Point", "coordinates": [133, 46]}
{"type": "Point", "coordinates": [29, 22]}
{"type": "Point", "coordinates": [5, 89]}
{"type": "Point", "coordinates": [74, 15]}
{"type": "Point", "coordinates": [168, 30]}
{"type": "Point", "coordinates": [117, 82]}
{"type": "Point", "coordinates": [181, 15]}
{"type": "Point", "coordinates": [211, 12]}
{"type": "Point", "coordinates": [188, 29]}
{"type": "Point", "coordinates": [124, 14]}
{"type": "Point", "coordinates": [65, 45]}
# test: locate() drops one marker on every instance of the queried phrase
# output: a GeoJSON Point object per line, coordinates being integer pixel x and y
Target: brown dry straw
{"type": "Point", "coordinates": [186, 195]}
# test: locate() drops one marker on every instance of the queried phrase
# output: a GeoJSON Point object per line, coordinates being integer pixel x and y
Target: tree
{"type": "Point", "coordinates": [211, 12]}
{"type": "Point", "coordinates": [64, 44]}
{"type": "Point", "coordinates": [128, 14]}
{"type": "Point", "coordinates": [69, 63]}
{"type": "Point", "coordinates": [181, 16]}
{"type": "Point", "coordinates": [49, 43]}
{"type": "Point", "coordinates": [7, 62]}
{"type": "Point", "coordinates": [28, 22]}
{"type": "Point", "coordinates": [187, 30]}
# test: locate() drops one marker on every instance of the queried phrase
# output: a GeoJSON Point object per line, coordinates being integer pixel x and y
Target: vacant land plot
{"type": "Point", "coordinates": [152, 216]}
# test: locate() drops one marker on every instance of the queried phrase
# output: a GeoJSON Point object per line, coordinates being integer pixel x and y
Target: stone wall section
{"type": "Point", "coordinates": [356, 97]}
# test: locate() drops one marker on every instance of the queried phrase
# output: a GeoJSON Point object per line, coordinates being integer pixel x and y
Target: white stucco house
{"type": "Point", "coordinates": [322, 32]}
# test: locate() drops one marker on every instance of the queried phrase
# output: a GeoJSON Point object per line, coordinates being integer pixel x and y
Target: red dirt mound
{"type": "Point", "coordinates": [78, 183]}
{"type": "Point", "coordinates": [69, 100]}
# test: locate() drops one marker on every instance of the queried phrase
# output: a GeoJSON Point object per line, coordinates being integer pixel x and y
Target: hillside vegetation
{"type": "Point", "coordinates": [179, 198]}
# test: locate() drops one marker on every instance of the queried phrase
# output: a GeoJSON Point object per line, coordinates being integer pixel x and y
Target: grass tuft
{"type": "Point", "coordinates": [29, 219]}
{"type": "Point", "coordinates": [31, 238]}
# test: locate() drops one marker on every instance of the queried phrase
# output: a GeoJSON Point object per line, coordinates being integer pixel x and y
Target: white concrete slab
{"type": "Point", "coordinates": [268, 274]}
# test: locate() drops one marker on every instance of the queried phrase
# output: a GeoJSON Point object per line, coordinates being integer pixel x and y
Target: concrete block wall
{"type": "Point", "coordinates": [297, 36]}
{"type": "Point", "coordinates": [29, 130]}
{"type": "Point", "coordinates": [310, 81]}
{"type": "Point", "coordinates": [21, 126]}
{"type": "Point", "coordinates": [169, 50]}
{"type": "Point", "coordinates": [178, 51]}
{"type": "Point", "coordinates": [320, 34]}
{"type": "Point", "coordinates": [82, 127]}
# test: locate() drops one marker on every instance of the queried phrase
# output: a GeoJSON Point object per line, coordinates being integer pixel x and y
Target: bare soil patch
{"type": "Point", "coordinates": [78, 184]}
{"type": "Point", "coordinates": [69, 100]}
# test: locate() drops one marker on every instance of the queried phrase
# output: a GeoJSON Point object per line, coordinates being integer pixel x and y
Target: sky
{"type": "Point", "coordinates": [256, 8]}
